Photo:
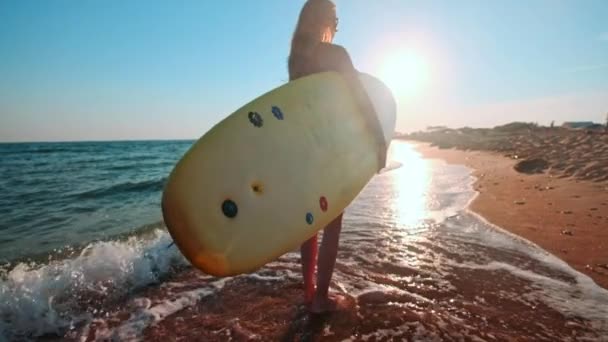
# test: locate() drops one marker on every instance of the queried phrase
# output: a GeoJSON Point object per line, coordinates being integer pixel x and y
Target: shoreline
{"type": "Point", "coordinates": [565, 217]}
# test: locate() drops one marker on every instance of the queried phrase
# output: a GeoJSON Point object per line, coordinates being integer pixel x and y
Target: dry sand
{"type": "Point", "coordinates": [563, 153]}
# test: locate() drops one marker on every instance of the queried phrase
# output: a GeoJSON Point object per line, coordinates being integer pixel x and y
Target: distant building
{"type": "Point", "coordinates": [581, 125]}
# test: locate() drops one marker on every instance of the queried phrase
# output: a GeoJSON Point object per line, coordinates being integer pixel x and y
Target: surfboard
{"type": "Point", "coordinates": [274, 172]}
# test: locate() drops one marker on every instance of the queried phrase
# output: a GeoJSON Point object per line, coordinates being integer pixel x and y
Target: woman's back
{"type": "Point", "coordinates": [323, 57]}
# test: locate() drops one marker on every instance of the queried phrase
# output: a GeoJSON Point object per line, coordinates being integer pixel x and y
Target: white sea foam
{"type": "Point", "coordinates": [133, 328]}
{"type": "Point", "coordinates": [38, 299]}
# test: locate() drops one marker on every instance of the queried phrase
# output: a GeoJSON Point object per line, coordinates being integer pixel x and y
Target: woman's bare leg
{"type": "Point", "coordinates": [325, 266]}
{"type": "Point", "coordinates": [308, 253]}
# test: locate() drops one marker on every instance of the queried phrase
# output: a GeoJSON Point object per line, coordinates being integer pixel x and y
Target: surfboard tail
{"type": "Point", "coordinates": [385, 119]}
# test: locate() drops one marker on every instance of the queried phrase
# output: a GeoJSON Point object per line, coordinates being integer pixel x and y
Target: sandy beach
{"type": "Point", "coordinates": [562, 207]}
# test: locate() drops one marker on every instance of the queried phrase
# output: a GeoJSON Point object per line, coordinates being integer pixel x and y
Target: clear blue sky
{"type": "Point", "coordinates": [114, 69]}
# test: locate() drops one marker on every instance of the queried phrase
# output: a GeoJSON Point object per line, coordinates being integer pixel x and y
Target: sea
{"type": "Point", "coordinates": [83, 245]}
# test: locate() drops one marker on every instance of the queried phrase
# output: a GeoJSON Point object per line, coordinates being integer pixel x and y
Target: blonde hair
{"type": "Point", "coordinates": [316, 24]}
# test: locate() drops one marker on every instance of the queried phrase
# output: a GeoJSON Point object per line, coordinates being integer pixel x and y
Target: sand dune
{"type": "Point", "coordinates": [560, 152]}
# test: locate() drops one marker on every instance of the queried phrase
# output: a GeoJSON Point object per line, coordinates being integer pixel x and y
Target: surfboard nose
{"type": "Point", "coordinates": [193, 248]}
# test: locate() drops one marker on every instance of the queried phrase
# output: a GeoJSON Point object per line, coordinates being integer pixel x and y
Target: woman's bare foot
{"type": "Point", "coordinates": [324, 304]}
{"type": "Point", "coordinates": [309, 295]}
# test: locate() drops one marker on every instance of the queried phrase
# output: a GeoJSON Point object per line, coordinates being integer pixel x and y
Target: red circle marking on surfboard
{"type": "Point", "coordinates": [323, 203]}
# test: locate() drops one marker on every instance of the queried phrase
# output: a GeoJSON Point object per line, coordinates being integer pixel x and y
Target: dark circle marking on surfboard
{"type": "Point", "coordinates": [256, 119]}
{"type": "Point", "coordinates": [229, 208]}
{"type": "Point", "coordinates": [309, 218]}
{"type": "Point", "coordinates": [323, 203]}
{"type": "Point", "coordinates": [257, 188]}
{"type": "Point", "coordinates": [276, 111]}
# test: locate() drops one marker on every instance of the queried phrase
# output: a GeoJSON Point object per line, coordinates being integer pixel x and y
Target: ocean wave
{"type": "Point", "coordinates": [132, 165]}
{"type": "Point", "coordinates": [46, 299]}
{"type": "Point", "coordinates": [137, 157]}
{"type": "Point", "coordinates": [154, 185]}
{"type": "Point", "coordinates": [30, 151]}
{"type": "Point", "coordinates": [44, 150]}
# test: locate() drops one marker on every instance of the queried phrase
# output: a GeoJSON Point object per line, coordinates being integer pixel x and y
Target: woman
{"type": "Point", "coordinates": [312, 51]}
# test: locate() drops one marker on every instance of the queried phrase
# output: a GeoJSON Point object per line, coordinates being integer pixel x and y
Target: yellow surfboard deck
{"type": "Point", "coordinates": [271, 174]}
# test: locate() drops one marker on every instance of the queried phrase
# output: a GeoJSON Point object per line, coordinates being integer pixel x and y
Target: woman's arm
{"type": "Point", "coordinates": [335, 58]}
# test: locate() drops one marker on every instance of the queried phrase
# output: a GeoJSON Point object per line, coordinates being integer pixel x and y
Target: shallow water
{"type": "Point", "coordinates": [417, 264]}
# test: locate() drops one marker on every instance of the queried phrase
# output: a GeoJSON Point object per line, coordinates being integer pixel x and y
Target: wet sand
{"type": "Point", "coordinates": [266, 309]}
{"type": "Point", "coordinates": [258, 310]}
{"type": "Point", "coordinates": [566, 216]}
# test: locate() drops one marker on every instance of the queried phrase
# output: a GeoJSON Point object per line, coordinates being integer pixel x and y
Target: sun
{"type": "Point", "coordinates": [406, 73]}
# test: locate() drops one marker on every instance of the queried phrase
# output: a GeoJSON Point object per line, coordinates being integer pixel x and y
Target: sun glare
{"type": "Point", "coordinates": [411, 187]}
{"type": "Point", "coordinates": [406, 73]}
